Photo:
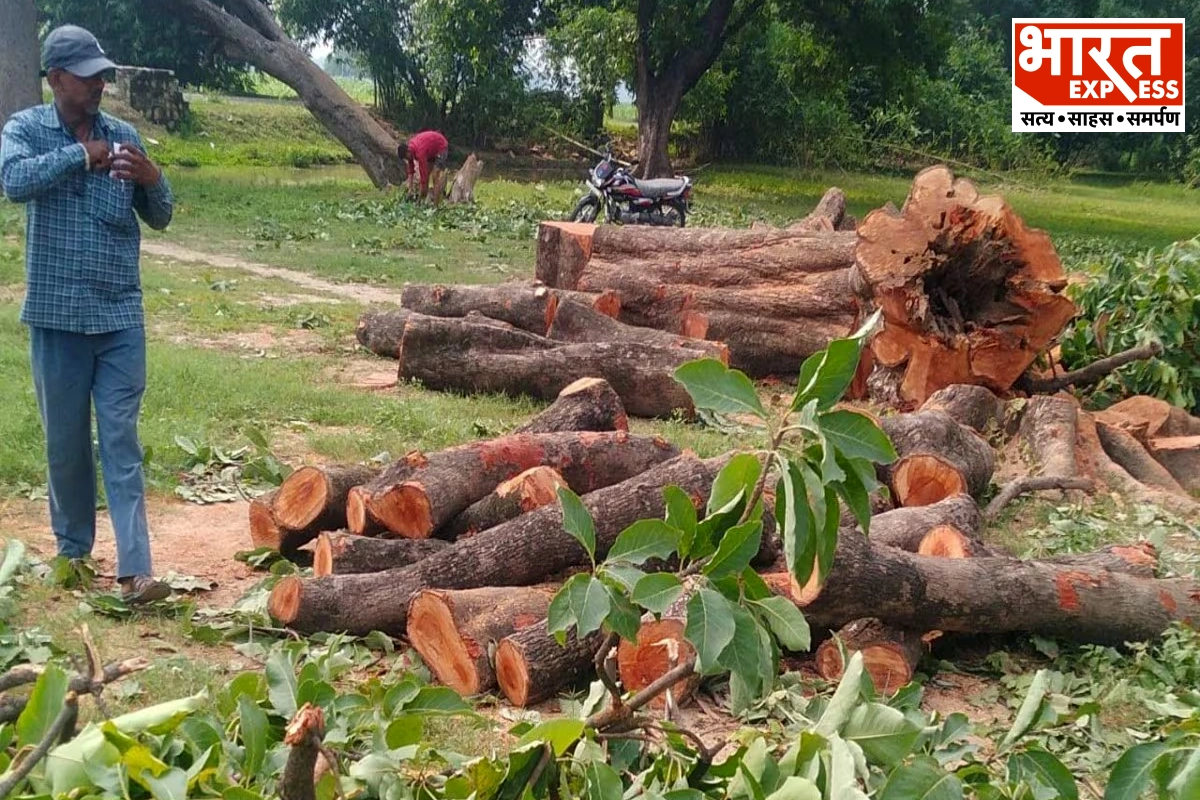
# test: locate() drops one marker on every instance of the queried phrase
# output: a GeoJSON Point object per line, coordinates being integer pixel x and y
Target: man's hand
{"type": "Point", "coordinates": [99, 156]}
{"type": "Point", "coordinates": [132, 164]}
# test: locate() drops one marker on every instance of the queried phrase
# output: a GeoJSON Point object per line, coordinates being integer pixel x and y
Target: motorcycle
{"type": "Point", "coordinates": [629, 201]}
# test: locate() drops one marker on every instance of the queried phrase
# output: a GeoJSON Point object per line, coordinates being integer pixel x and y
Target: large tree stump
{"type": "Point", "coordinates": [938, 458]}
{"type": "Point", "coordinates": [454, 631]}
{"type": "Point", "coordinates": [349, 554]}
{"type": "Point", "coordinates": [525, 305]}
{"type": "Point", "coordinates": [588, 404]}
{"type": "Point", "coordinates": [527, 550]}
{"type": "Point", "coordinates": [890, 654]}
{"type": "Point", "coordinates": [969, 294]}
{"type": "Point", "coordinates": [470, 355]}
{"type": "Point", "coordinates": [313, 499]}
{"type": "Point", "coordinates": [532, 666]}
{"type": "Point", "coordinates": [532, 489]}
{"type": "Point", "coordinates": [576, 322]}
{"type": "Point", "coordinates": [414, 501]}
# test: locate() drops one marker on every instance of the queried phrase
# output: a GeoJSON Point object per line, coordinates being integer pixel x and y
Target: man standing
{"type": "Point", "coordinates": [422, 149]}
{"type": "Point", "coordinates": [82, 175]}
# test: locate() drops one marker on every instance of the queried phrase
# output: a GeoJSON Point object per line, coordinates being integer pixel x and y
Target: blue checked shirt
{"type": "Point", "coordinates": [82, 235]}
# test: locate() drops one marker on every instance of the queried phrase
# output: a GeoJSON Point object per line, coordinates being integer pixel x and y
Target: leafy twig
{"type": "Point", "coordinates": [52, 735]}
{"type": "Point", "coordinates": [617, 713]}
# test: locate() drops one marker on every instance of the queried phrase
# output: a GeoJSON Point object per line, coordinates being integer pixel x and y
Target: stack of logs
{"type": "Point", "coordinates": [461, 550]}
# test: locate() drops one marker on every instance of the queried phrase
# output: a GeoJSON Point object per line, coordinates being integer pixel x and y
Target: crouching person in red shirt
{"type": "Point", "coordinates": [423, 150]}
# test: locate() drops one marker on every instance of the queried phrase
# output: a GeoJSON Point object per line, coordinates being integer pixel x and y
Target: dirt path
{"type": "Point", "coordinates": [358, 292]}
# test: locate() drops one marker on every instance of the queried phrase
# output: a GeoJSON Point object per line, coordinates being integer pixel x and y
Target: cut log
{"type": "Point", "coordinates": [264, 529]}
{"type": "Point", "coordinates": [829, 215]}
{"type": "Point", "coordinates": [1139, 559]}
{"type": "Point", "coordinates": [313, 499]}
{"type": "Point", "coordinates": [974, 406]}
{"type": "Point", "coordinates": [890, 654]}
{"type": "Point", "coordinates": [359, 518]}
{"type": "Point", "coordinates": [1181, 456]}
{"type": "Point", "coordinates": [455, 630]}
{"type": "Point", "coordinates": [969, 294]}
{"type": "Point", "coordinates": [1149, 418]}
{"type": "Point", "coordinates": [1123, 448]}
{"type": "Point", "coordinates": [463, 188]}
{"type": "Point", "coordinates": [994, 595]}
{"type": "Point", "coordinates": [415, 502]}
{"type": "Point", "coordinates": [576, 322]}
{"type": "Point", "coordinates": [522, 552]}
{"type": "Point", "coordinates": [380, 330]}
{"type": "Point", "coordinates": [588, 404]}
{"type": "Point", "coordinates": [660, 647]}
{"type": "Point", "coordinates": [531, 666]}
{"type": "Point", "coordinates": [348, 554]}
{"type": "Point", "coordinates": [528, 491]}
{"type": "Point", "coordinates": [938, 458]}
{"type": "Point", "coordinates": [529, 306]}
{"type": "Point", "coordinates": [467, 355]}
{"type": "Point", "coordinates": [906, 528]}
{"type": "Point", "coordinates": [1049, 429]}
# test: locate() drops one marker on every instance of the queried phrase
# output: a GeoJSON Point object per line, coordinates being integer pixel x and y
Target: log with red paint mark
{"type": "Point", "coordinates": [530, 306]}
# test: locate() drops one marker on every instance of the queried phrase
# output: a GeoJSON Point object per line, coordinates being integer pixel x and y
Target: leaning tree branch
{"type": "Point", "coordinates": [615, 714]}
{"type": "Point", "coordinates": [52, 735]}
{"type": "Point", "coordinates": [1039, 483]}
{"type": "Point", "coordinates": [1093, 372]}
{"type": "Point", "coordinates": [11, 707]}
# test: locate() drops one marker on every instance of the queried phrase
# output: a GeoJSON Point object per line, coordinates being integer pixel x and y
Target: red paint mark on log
{"type": "Point", "coordinates": [1141, 554]}
{"type": "Point", "coordinates": [472, 647]}
{"type": "Point", "coordinates": [439, 293]}
{"type": "Point", "coordinates": [1068, 598]}
{"type": "Point", "coordinates": [661, 443]}
{"type": "Point", "coordinates": [522, 621]}
{"type": "Point", "coordinates": [415, 459]}
{"type": "Point", "coordinates": [1168, 602]}
{"type": "Point", "coordinates": [514, 451]}
{"type": "Point", "coordinates": [589, 438]}
{"type": "Point", "coordinates": [621, 422]}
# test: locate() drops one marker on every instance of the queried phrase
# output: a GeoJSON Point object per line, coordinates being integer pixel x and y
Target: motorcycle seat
{"type": "Point", "coordinates": [661, 187]}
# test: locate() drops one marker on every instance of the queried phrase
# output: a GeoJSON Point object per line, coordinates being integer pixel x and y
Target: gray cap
{"type": "Point", "coordinates": [76, 50]}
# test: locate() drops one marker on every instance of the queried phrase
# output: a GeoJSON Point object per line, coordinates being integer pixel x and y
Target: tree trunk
{"type": "Point", "coordinates": [532, 666]}
{"type": "Point", "coordinates": [349, 554]}
{"type": "Point", "coordinates": [906, 528]}
{"type": "Point", "coordinates": [528, 550]}
{"type": "Point", "coordinates": [588, 404]}
{"type": "Point", "coordinates": [463, 188]}
{"type": "Point", "coordinates": [529, 491]}
{"type": "Point", "coordinates": [890, 654]}
{"type": "Point", "coordinates": [20, 59]}
{"type": "Point", "coordinates": [974, 406]}
{"type": "Point", "coordinates": [994, 595]}
{"type": "Point", "coordinates": [255, 36]}
{"type": "Point", "coordinates": [576, 322]}
{"type": "Point", "coordinates": [969, 294]}
{"type": "Point", "coordinates": [530, 307]}
{"type": "Point", "coordinates": [656, 111]}
{"type": "Point", "coordinates": [380, 331]}
{"type": "Point", "coordinates": [454, 630]}
{"type": "Point", "coordinates": [466, 355]}
{"type": "Point", "coordinates": [313, 499]}
{"type": "Point", "coordinates": [1048, 429]}
{"type": "Point", "coordinates": [938, 458]}
{"type": "Point", "coordinates": [1180, 455]}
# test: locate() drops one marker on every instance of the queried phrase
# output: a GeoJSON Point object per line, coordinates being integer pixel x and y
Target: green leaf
{"type": "Point", "coordinates": [735, 552]}
{"type": "Point", "coordinates": [577, 521]}
{"type": "Point", "coordinates": [582, 602]}
{"type": "Point", "coordinates": [1036, 766]}
{"type": "Point", "coordinates": [923, 779]}
{"type": "Point", "coordinates": [657, 592]}
{"type": "Point", "coordinates": [255, 728]}
{"type": "Point", "coordinates": [857, 436]}
{"type": "Point", "coordinates": [852, 490]}
{"type": "Point", "coordinates": [601, 782]}
{"type": "Point", "coordinates": [827, 536]}
{"type": "Point", "coordinates": [1029, 708]}
{"type": "Point", "coordinates": [742, 656]}
{"type": "Point", "coordinates": [787, 622]}
{"type": "Point", "coordinates": [624, 618]}
{"type": "Point", "coordinates": [404, 730]}
{"type": "Point", "coordinates": [1130, 776]}
{"type": "Point", "coordinates": [438, 700]}
{"type": "Point", "coordinates": [796, 524]}
{"type": "Point", "coordinates": [884, 733]}
{"type": "Point", "coordinates": [738, 477]}
{"type": "Point", "coordinates": [832, 375]}
{"type": "Point", "coordinates": [795, 788]}
{"type": "Point", "coordinates": [716, 387]}
{"type": "Point", "coordinates": [45, 703]}
{"type": "Point", "coordinates": [560, 734]}
{"type": "Point", "coordinates": [710, 627]}
{"type": "Point", "coordinates": [624, 575]}
{"type": "Point", "coordinates": [644, 540]}
{"type": "Point", "coordinates": [281, 682]}
{"type": "Point", "coordinates": [1186, 782]}
{"type": "Point", "coordinates": [844, 699]}
{"type": "Point", "coordinates": [681, 515]}
{"type": "Point", "coordinates": [171, 785]}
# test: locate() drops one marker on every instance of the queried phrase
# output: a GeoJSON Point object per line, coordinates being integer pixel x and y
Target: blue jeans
{"type": "Point", "coordinates": [71, 371]}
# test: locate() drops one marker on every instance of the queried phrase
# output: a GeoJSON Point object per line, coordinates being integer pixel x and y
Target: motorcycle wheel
{"type": "Point", "coordinates": [586, 209]}
{"type": "Point", "coordinates": [680, 215]}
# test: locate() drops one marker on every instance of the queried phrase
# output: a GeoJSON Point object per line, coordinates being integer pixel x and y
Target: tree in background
{"type": "Point", "coordinates": [20, 57]}
{"type": "Point", "coordinates": [136, 32]}
{"type": "Point", "coordinates": [590, 48]}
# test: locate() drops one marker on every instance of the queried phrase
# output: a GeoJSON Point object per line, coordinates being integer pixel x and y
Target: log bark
{"type": "Point", "coordinates": [528, 306]}
{"type": "Point", "coordinates": [1180, 455]}
{"type": "Point", "coordinates": [415, 502]}
{"type": "Point", "coordinates": [577, 322]}
{"type": "Point", "coordinates": [525, 551]}
{"type": "Point", "coordinates": [829, 214]}
{"type": "Point", "coordinates": [348, 554]}
{"type": "Point", "coordinates": [250, 34]}
{"type": "Point", "coordinates": [466, 355]}
{"type": "Point", "coordinates": [906, 528]}
{"type": "Point", "coordinates": [1049, 429]}
{"type": "Point", "coordinates": [890, 654]}
{"type": "Point", "coordinates": [994, 595]}
{"type": "Point", "coordinates": [455, 630]}
{"type": "Point", "coordinates": [20, 60]}
{"type": "Point", "coordinates": [463, 188]}
{"type": "Point", "coordinates": [977, 407]}
{"type": "Point", "coordinates": [313, 499]}
{"type": "Point", "coordinates": [938, 458]}
{"type": "Point", "coordinates": [380, 331]}
{"type": "Point", "coordinates": [531, 666]}
{"type": "Point", "coordinates": [588, 404]}
{"type": "Point", "coordinates": [969, 294]}
{"type": "Point", "coordinates": [529, 491]}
